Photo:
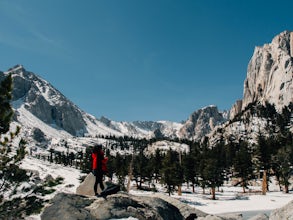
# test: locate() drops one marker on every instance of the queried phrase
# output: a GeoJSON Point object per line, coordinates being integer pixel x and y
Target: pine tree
{"type": "Point", "coordinates": [266, 147]}
{"type": "Point", "coordinates": [212, 169]}
{"type": "Point", "coordinates": [172, 172]}
{"type": "Point", "coordinates": [283, 166]}
{"type": "Point", "coordinates": [191, 166]}
{"type": "Point", "coordinates": [6, 111]}
{"type": "Point", "coordinates": [140, 171]}
{"type": "Point", "coordinates": [156, 164]}
{"type": "Point", "coordinates": [243, 164]}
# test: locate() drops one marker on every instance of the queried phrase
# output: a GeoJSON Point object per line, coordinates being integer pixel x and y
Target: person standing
{"type": "Point", "coordinates": [97, 160]}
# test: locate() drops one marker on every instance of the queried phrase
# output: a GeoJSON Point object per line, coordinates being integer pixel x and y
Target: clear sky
{"type": "Point", "coordinates": [133, 60]}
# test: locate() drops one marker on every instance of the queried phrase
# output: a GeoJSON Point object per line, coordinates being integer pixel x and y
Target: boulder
{"type": "Point", "coordinates": [67, 206]}
{"type": "Point", "coordinates": [260, 217]}
{"type": "Point", "coordinates": [86, 188]}
{"type": "Point", "coordinates": [121, 205]}
{"type": "Point", "coordinates": [285, 212]}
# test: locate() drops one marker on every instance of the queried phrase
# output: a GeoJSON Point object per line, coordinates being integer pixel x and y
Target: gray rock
{"type": "Point", "coordinates": [269, 71]}
{"type": "Point", "coordinates": [86, 188]}
{"type": "Point", "coordinates": [68, 207]}
{"type": "Point", "coordinates": [285, 212]}
{"type": "Point", "coordinates": [201, 123]}
{"type": "Point", "coordinates": [259, 217]}
{"type": "Point", "coordinates": [71, 206]}
{"type": "Point", "coordinates": [222, 217]}
{"type": "Point", "coordinates": [142, 207]}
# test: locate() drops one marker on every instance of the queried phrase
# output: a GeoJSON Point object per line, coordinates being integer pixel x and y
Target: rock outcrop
{"type": "Point", "coordinates": [270, 73]}
{"type": "Point", "coordinates": [285, 212]}
{"type": "Point", "coordinates": [201, 123]}
{"type": "Point", "coordinates": [45, 102]}
{"type": "Point", "coordinates": [86, 187]}
{"type": "Point", "coordinates": [70, 206]}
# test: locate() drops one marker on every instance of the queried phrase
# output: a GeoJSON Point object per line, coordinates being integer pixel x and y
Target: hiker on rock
{"type": "Point", "coordinates": [98, 167]}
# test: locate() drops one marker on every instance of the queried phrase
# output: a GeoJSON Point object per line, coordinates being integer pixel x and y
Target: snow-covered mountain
{"type": "Point", "coordinates": [202, 122]}
{"type": "Point", "coordinates": [46, 115]}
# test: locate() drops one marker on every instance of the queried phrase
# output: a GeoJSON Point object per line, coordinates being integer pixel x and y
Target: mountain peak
{"type": "Point", "coordinates": [18, 68]}
{"type": "Point", "coordinates": [269, 73]}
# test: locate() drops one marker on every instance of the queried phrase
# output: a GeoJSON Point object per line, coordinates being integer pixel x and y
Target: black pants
{"type": "Point", "coordinates": [99, 180]}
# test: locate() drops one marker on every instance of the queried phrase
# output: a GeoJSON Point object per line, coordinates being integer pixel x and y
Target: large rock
{"type": "Point", "coordinates": [68, 207]}
{"type": "Point", "coordinates": [259, 217]}
{"type": "Point", "coordinates": [71, 206]}
{"type": "Point", "coordinates": [86, 188]}
{"type": "Point", "coordinates": [285, 212]}
{"type": "Point", "coordinates": [269, 73]}
{"type": "Point", "coordinates": [141, 207]}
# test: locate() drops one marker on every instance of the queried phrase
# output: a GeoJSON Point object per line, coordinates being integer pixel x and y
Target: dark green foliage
{"type": "Point", "coordinates": [283, 166]}
{"type": "Point", "coordinates": [243, 165]}
{"type": "Point", "coordinates": [86, 162]}
{"type": "Point", "coordinates": [6, 111]}
{"type": "Point", "coordinates": [172, 171]}
{"type": "Point", "coordinates": [54, 182]}
{"type": "Point", "coordinates": [141, 168]}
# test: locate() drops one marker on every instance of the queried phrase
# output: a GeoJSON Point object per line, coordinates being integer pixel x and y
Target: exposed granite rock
{"type": "Point", "coordinates": [259, 217]}
{"type": "Point", "coordinates": [71, 206]}
{"type": "Point", "coordinates": [141, 207]}
{"type": "Point", "coordinates": [269, 73]}
{"type": "Point", "coordinates": [285, 212]}
{"type": "Point", "coordinates": [86, 188]}
{"type": "Point", "coordinates": [201, 123]}
{"type": "Point", "coordinates": [68, 207]}
{"type": "Point", "coordinates": [46, 102]}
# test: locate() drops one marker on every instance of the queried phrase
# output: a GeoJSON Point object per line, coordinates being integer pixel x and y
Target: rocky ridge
{"type": "Point", "coordinates": [269, 74]}
{"type": "Point", "coordinates": [40, 108]}
{"type": "Point", "coordinates": [201, 122]}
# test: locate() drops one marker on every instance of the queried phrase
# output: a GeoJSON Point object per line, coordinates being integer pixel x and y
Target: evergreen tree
{"type": "Point", "coordinates": [283, 162]}
{"type": "Point", "coordinates": [140, 168]}
{"type": "Point", "coordinates": [6, 111]}
{"type": "Point", "coordinates": [172, 172]}
{"type": "Point", "coordinates": [212, 169]}
{"type": "Point", "coordinates": [10, 173]}
{"type": "Point", "coordinates": [266, 147]}
{"type": "Point", "coordinates": [191, 165]}
{"type": "Point", "coordinates": [156, 164]}
{"type": "Point", "coordinates": [243, 164]}
{"type": "Point", "coordinates": [121, 164]}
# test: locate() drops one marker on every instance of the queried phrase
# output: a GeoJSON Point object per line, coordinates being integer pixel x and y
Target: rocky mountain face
{"type": "Point", "coordinates": [39, 107]}
{"type": "Point", "coordinates": [201, 122]}
{"type": "Point", "coordinates": [269, 80]}
{"type": "Point", "coordinates": [269, 74]}
{"type": "Point", "coordinates": [45, 102]}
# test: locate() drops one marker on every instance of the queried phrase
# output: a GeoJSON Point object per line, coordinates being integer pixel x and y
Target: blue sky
{"type": "Point", "coordinates": [140, 59]}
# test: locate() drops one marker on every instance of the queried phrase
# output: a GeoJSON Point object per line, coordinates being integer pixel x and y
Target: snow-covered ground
{"type": "Point", "coordinates": [229, 199]}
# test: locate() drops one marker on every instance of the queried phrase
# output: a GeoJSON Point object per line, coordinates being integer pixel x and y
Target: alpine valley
{"type": "Point", "coordinates": [48, 119]}
{"type": "Point", "coordinates": [57, 136]}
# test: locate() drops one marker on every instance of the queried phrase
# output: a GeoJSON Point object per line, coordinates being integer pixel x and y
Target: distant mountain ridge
{"type": "Point", "coordinates": [40, 107]}
{"type": "Point", "coordinates": [33, 94]}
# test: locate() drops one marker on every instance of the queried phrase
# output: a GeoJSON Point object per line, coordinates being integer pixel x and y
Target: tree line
{"type": "Point", "coordinates": [204, 165]}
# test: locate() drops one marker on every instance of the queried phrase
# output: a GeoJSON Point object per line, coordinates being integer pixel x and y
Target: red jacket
{"type": "Point", "coordinates": [96, 163]}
